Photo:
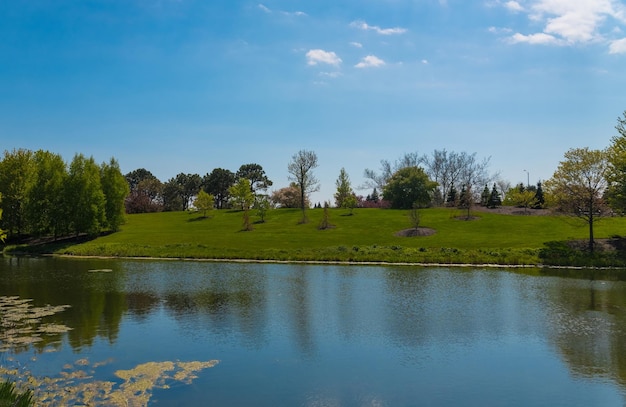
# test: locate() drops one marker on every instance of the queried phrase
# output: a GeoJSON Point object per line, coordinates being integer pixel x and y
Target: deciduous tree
{"type": "Point", "coordinates": [16, 169]}
{"type": "Point", "coordinates": [204, 202]}
{"type": "Point", "coordinates": [616, 173]}
{"type": "Point", "coordinates": [301, 172]}
{"type": "Point", "coordinates": [241, 195]}
{"type": "Point", "coordinates": [45, 208]}
{"type": "Point", "coordinates": [409, 186]}
{"type": "Point", "coordinates": [579, 185]}
{"type": "Point", "coordinates": [115, 189]}
{"type": "Point", "coordinates": [86, 201]}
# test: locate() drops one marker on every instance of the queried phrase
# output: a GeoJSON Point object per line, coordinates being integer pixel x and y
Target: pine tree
{"type": "Point", "coordinates": [539, 198]}
{"type": "Point", "coordinates": [494, 198]}
{"type": "Point", "coordinates": [452, 196]}
{"type": "Point", "coordinates": [484, 197]}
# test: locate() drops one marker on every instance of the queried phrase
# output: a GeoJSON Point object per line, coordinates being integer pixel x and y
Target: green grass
{"type": "Point", "coordinates": [368, 235]}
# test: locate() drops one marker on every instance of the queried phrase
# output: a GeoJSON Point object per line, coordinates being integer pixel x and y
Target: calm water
{"type": "Point", "coordinates": [295, 335]}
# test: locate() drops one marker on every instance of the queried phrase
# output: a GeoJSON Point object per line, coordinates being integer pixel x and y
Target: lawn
{"type": "Point", "coordinates": [367, 235]}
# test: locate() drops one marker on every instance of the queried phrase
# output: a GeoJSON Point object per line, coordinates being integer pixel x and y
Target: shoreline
{"type": "Point", "coordinates": [330, 262]}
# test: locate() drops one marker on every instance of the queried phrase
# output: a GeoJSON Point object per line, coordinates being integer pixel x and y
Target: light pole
{"type": "Point", "coordinates": [527, 179]}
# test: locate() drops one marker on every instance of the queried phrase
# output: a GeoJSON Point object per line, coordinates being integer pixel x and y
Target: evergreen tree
{"type": "Point", "coordinates": [540, 200]}
{"type": "Point", "coordinates": [375, 197]}
{"type": "Point", "coordinates": [484, 197]}
{"type": "Point", "coordinates": [494, 198]}
{"type": "Point", "coordinates": [344, 188]}
{"type": "Point", "coordinates": [452, 196]}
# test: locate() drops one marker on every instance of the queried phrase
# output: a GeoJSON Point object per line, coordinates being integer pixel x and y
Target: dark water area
{"type": "Point", "coordinates": [317, 335]}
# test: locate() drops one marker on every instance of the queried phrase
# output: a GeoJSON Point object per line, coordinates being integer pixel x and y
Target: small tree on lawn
{"type": "Point", "coordinates": [465, 199]}
{"type": "Point", "coordinates": [494, 198]}
{"type": "Point", "coordinates": [452, 197]}
{"type": "Point", "coordinates": [414, 216]}
{"type": "Point", "coordinates": [262, 205]}
{"type": "Point", "coordinates": [350, 202]}
{"type": "Point", "coordinates": [540, 200]}
{"type": "Point", "coordinates": [204, 202]}
{"type": "Point", "coordinates": [241, 195]}
{"type": "Point", "coordinates": [484, 197]}
{"type": "Point", "coordinates": [325, 223]}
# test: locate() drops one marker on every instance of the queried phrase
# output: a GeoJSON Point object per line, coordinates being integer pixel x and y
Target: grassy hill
{"type": "Point", "coordinates": [367, 235]}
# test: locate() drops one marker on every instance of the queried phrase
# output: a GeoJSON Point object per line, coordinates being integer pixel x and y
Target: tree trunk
{"type": "Point", "coordinates": [591, 226]}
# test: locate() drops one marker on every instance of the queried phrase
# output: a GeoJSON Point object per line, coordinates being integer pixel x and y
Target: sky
{"type": "Point", "coordinates": [188, 85]}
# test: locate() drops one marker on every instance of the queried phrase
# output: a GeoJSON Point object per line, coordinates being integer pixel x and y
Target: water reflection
{"type": "Point", "coordinates": [350, 335]}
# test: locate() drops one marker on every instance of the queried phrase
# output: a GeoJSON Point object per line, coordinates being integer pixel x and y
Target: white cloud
{"type": "Point", "coordinates": [513, 6]}
{"type": "Point", "coordinates": [370, 61]}
{"type": "Point", "coordinates": [334, 74]}
{"type": "Point", "coordinates": [383, 31]}
{"type": "Point", "coordinates": [356, 44]}
{"type": "Point", "coordinates": [425, 61]}
{"type": "Point", "coordinates": [618, 47]}
{"type": "Point", "coordinates": [567, 22]}
{"type": "Point", "coordinates": [319, 56]}
{"type": "Point", "coordinates": [539, 38]}
{"type": "Point", "coordinates": [268, 10]}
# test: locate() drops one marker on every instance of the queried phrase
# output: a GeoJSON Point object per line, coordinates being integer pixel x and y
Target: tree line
{"type": "Point", "coordinates": [42, 195]}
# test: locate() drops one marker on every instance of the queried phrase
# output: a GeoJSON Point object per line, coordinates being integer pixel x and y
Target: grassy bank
{"type": "Point", "coordinates": [367, 235]}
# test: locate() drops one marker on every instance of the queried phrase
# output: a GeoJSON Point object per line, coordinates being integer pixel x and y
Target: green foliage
{"type": "Point", "coordinates": [616, 173]}
{"type": "Point", "coordinates": [45, 207]}
{"type": "Point", "coordinates": [407, 187]}
{"type": "Point", "coordinates": [204, 202]}
{"type": "Point", "coordinates": [115, 189]}
{"type": "Point", "coordinates": [325, 222]}
{"type": "Point", "coordinates": [16, 170]}
{"type": "Point", "coordinates": [344, 188]}
{"type": "Point", "coordinates": [579, 185]}
{"type": "Point", "coordinates": [218, 183]}
{"type": "Point", "coordinates": [494, 198]}
{"type": "Point", "coordinates": [241, 194]}
{"type": "Point", "coordinates": [10, 396]}
{"type": "Point", "coordinates": [256, 175]}
{"type": "Point", "coordinates": [350, 202]}
{"type": "Point", "coordinates": [84, 196]}
{"type": "Point", "coordinates": [556, 253]}
{"type": "Point", "coordinates": [262, 205]}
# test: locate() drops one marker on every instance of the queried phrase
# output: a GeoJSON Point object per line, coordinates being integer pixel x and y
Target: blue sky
{"type": "Point", "coordinates": [187, 85]}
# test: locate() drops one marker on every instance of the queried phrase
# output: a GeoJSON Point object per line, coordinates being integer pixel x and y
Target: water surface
{"type": "Point", "coordinates": [305, 335]}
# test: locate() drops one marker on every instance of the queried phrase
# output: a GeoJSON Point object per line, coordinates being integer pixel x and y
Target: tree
{"type": "Point", "coordinates": [540, 199]}
{"type": "Point", "coordinates": [172, 196]}
{"type": "Point", "coordinates": [241, 195]}
{"type": "Point", "coordinates": [147, 196]}
{"type": "Point", "coordinates": [217, 184]}
{"type": "Point", "coordinates": [45, 209]}
{"type": "Point", "coordinates": [3, 234]}
{"type": "Point", "coordinates": [448, 168]}
{"type": "Point", "coordinates": [579, 185]}
{"type": "Point", "coordinates": [146, 192]}
{"type": "Point", "coordinates": [494, 198]}
{"type": "Point", "coordinates": [86, 201]}
{"type": "Point", "coordinates": [344, 188]}
{"type": "Point", "coordinates": [484, 197]}
{"type": "Point", "coordinates": [521, 197]}
{"type": "Point", "coordinates": [452, 196]}
{"type": "Point", "coordinates": [16, 169]}
{"type": "Point", "coordinates": [616, 174]}
{"type": "Point", "coordinates": [262, 205]}
{"type": "Point", "coordinates": [115, 189]}
{"type": "Point", "coordinates": [387, 169]}
{"type": "Point", "coordinates": [287, 197]}
{"type": "Point", "coordinates": [255, 174]}
{"type": "Point", "coordinates": [301, 172]}
{"type": "Point", "coordinates": [204, 202]}
{"type": "Point", "coordinates": [466, 200]}
{"type": "Point", "coordinates": [409, 186]}
{"type": "Point", "coordinates": [325, 222]}
{"type": "Point", "coordinates": [350, 202]}
{"type": "Point", "coordinates": [190, 185]}
{"type": "Point", "coordinates": [135, 177]}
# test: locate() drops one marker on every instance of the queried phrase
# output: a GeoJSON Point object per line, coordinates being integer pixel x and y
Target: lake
{"type": "Point", "coordinates": [170, 333]}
